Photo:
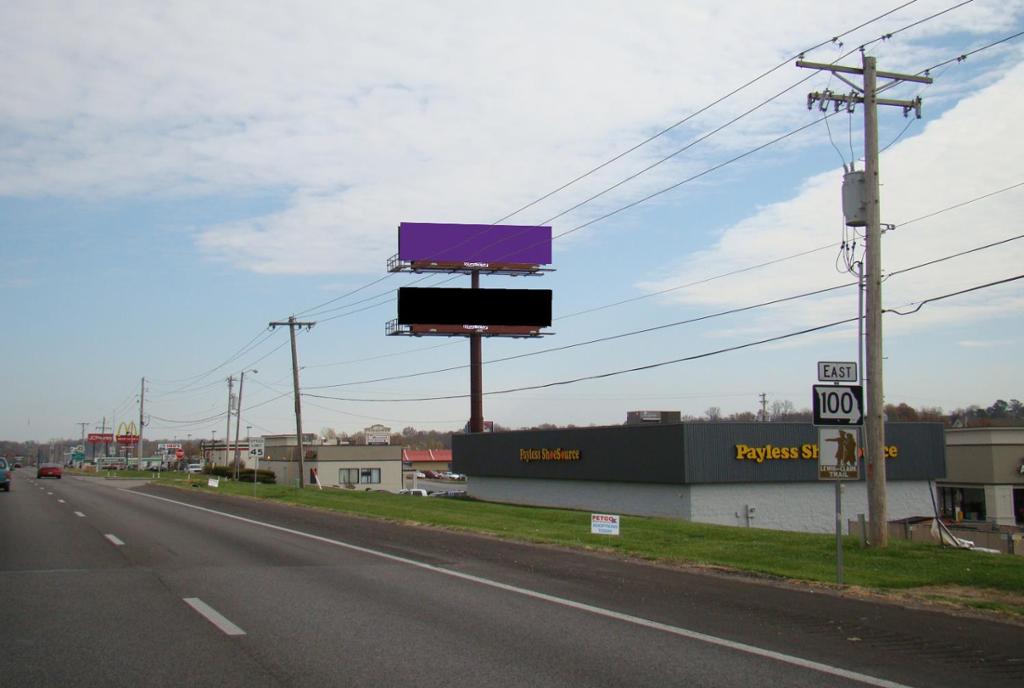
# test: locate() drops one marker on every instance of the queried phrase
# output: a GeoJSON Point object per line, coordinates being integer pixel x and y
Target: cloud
{"type": "Point", "coordinates": [362, 115]}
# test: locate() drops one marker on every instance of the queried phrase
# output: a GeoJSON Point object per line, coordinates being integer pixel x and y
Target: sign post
{"type": "Point", "coordinates": [839, 414]}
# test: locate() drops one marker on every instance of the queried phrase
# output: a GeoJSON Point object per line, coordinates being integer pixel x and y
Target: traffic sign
{"type": "Point", "coordinates": [838, 451]}
{"type": "Point", "coordinates": [837, 371]}
{"type": "Point", "coordinates": [256, 447]}
{"type": "Point", "coordinates": [838, 404]}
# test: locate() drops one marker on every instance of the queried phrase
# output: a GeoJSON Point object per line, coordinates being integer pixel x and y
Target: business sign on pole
{"type": "Point", "coordinates": [99, 437]}
{"type": "Point", "coordinates": [838, 404]}
{"type": "Point", "coordinates": [461, 307]}
{"type": "Point", "coordinates": [604, 524]}
{"type": "Point", "coordinates": [257, 446]}
{"type": "Point", "coordinates": [838, 452]}
{"type": "Point", "coordinates": [473, 246]}
{"type": "Point", "coordinates": [837, 371]}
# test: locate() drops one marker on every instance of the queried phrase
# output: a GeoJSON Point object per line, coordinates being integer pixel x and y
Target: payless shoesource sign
{"type": "Point", "coordinates": [771, 452]}
{"type": "Point", "coordinates": [549, 454]}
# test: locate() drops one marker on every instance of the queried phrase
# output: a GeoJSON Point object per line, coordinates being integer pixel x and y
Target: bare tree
{"type": "Point", "coordinates": [713, 413]}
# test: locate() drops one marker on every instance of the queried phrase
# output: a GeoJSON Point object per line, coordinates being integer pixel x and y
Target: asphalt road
{"type": "Point", "coordinates": [108, 583]}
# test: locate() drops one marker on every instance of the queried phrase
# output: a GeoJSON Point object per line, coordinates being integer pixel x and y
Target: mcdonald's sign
{"type": "Point", "coordinates": [127, 434]}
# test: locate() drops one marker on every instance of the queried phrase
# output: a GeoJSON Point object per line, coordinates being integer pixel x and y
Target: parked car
{"type": "Point", "coordinates": [432, 475]}
{"type": "Point", "coordinates": [414, 493]}
{"type": "Point", "coordinates": [195, 468]}
{"type": "Point", "coordinates": [5, 475]}
{"type": "Point", "coordinates": [17, 464]}
{"type": "Point", "coordinates": [49, 470]}
{"type": "Point", "coordinates": [421, 474]}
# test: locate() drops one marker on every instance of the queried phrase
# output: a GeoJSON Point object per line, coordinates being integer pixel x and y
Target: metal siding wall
{"type": "Point", "coordinates": [922, 451]}
{"type": "Point", "coordinates": [650, 454]}
{"type": "Point", "coordinates": [685, 453]}
{"type": "Point", "coordinates": [711, 452]}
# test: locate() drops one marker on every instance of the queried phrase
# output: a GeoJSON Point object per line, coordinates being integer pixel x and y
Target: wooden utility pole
{"type": "Point", "coordinates": [227, 433]}
{"type": "Point", "coordinates": [291, 325]}
{"type": "Point", "coordinates": [867, 94]}
{"type": "Point", "coordinates": [142, 407]}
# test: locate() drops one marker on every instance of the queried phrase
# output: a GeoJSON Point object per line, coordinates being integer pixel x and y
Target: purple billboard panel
{"type": "Point", "coordinates": [427, 242]}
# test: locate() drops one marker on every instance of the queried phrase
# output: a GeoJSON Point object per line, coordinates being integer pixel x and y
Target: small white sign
{"type": "Point", "coordinates": [213, 482]}
{"type": "Point", "coordinates": [837, 371]}
{"type": "Point", "coordinates": [604, 524]}
{"type": "Point", "coordinates": [256, 447]}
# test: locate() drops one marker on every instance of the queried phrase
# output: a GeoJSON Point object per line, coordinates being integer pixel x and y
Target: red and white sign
{"type": "Point", "coordinates": [604, 524]}
{"type": "Point", "coordinates": [129, 440]}
{"type": "Point", "coordinates": [99, 437]}
{"type": "Point", "coordinates": [179, 453]}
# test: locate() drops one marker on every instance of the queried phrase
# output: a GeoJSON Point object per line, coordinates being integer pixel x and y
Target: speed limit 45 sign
{"type": "Point", "coordinates": [838, 405]}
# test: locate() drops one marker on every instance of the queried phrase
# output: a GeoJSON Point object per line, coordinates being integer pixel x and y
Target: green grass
{"type": "Point", "coordinates": [802, 556]}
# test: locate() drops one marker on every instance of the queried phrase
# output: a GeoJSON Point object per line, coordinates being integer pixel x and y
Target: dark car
{"type": "Point", "coordinates": [5, 475]}
{"type": "Point", "coordinates": [49, 470]}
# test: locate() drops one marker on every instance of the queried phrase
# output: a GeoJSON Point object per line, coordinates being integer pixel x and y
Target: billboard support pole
{"type": "Point", "coordinates": [476, 373]}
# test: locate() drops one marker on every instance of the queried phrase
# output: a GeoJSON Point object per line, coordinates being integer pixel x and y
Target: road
{"type": "Point", "coordinates": [114, 583]}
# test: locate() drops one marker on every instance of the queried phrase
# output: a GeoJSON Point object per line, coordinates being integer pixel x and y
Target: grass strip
{"type": "Point", "coordinates": [800, 556]}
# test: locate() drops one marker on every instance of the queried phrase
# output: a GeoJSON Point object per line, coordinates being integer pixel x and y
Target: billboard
{"type": "Point", "coordinates": [470, 246]}
{"type": "Point", "coordinates": [492, 307]}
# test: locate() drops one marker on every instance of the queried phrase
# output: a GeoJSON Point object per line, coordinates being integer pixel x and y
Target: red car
{"type": "Point", "coordinates": [49, 470]}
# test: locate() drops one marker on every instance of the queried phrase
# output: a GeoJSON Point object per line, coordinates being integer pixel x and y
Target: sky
{"type": "Point", "coordinates": [175, 176]}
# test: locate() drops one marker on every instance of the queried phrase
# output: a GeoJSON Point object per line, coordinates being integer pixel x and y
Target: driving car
{"type": "Point", "coordinates": [49, 470]}
{"type": "Point", "coordinates": [5, 475]}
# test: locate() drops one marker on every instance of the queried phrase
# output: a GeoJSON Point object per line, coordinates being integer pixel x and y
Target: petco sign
{"type": "Point", "coordinates": [604, 524]}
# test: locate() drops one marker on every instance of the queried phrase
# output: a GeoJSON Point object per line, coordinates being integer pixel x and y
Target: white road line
{"type": "Point", "coordinates": [49, 494]}
{"type": "Point", "coordinates": [79, 514]}
{"type": "Point", "coordinates": [114, 539]}
{"type": "Point", "coordinates": [61, 501]}
{"type": "Point", "coordinates": [600, 611]}
{"type": "Point", "coordinates": [213, 616]}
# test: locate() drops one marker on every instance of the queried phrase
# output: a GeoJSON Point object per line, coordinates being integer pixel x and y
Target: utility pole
{"type": "Point", "coordinates": [106, 445]}
{"type": "Point", "coordinates": [142, 407]}
{"type": "Point", "coordinates": [238, 416]}
{"type": "Point", "coordinates": [83, 424]}
{"type": "Point", "coordinates": [227, 433]}
{"type": "Point", "coordinates": [292, 324]}
{"type": "Point", "coordinates": [867, 94]}
{"type": "Point", "coordinates": [764, 407]}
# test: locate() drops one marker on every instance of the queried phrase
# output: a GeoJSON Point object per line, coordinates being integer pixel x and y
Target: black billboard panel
{"type": "Point", "coordinates": [511, 307]}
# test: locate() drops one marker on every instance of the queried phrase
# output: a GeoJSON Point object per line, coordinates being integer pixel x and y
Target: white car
{"type": "Point", "coordinates": [195, 468]}
{"type": "Point", "coordinates": [415, 493]}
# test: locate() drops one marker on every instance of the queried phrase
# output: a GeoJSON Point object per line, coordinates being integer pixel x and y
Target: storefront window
{"type": "Point", "coordinates": [962, 503]}
{"type": "Point", "coordinates": [369, 476]}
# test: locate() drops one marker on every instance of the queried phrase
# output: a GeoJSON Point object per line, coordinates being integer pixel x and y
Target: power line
{"type": "Point", "coordinates": [834, 39]}
{"type": "Point", "coordinates": [723, 275]}
{"type": "Point", "coordinates": [920, 304]}
{"type": "Point", "coordinates": [631, 333]}
{"type": "Point", "coordinates": [660, 364]}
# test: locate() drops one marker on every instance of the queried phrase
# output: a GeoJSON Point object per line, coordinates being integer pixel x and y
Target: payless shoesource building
{"type": "Point", "coordinates": [761, 475]}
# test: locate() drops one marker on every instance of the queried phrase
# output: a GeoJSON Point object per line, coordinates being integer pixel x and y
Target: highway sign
{"type": "Point", "coordinates": [256, 447]}
{"type": "Point", "coordinates": [837, 454]}
{"type": "Point", "coordinates": [837, 371]}
{"type": "Point", "coordinates": [838, 404]}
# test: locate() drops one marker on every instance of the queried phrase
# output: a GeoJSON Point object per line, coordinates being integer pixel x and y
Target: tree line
{"type": "Point", "coordinates": [1000, 413]}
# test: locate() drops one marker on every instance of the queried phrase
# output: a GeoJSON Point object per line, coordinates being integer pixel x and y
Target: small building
{"type": "Point", "coordinates": [428, 459]}
{"type": "Point", "coordinates": [984, 479]}
{"type": "Point", "coordinates": [761, 475]}
{"type": "Point", "coordinates": [362, 467]}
